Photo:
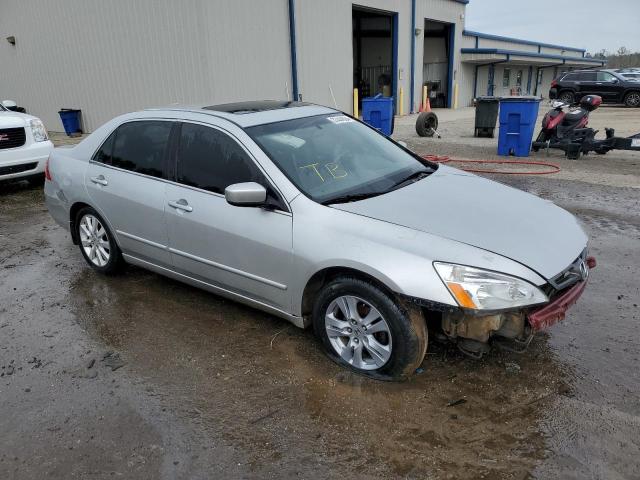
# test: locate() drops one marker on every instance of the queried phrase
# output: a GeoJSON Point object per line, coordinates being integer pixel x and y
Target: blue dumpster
{"type": "Point", "coordinates": [378, 112]}
{"type": "Point", "coordinates": [518, 117]}
{"type": "Point", "coordinates": [70, 120]}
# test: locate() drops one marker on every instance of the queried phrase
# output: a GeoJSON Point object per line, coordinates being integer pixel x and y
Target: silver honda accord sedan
{"type": "Point", "coordinates": [307, 213]}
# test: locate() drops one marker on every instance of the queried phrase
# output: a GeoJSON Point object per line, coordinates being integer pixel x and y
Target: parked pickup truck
{"type": "Point", "coordinates": [24, 146]}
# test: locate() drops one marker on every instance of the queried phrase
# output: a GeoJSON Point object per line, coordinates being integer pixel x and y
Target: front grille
{"type": "Point", "coordinates": [571, 275]}
{"type": "Point", "coordinates": [18, 168]}
{"type": "Point", "coordinates": [12, 137]}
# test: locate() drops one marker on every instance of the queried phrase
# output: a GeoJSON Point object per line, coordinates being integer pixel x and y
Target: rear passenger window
{"type": "Point", "coordinates": [140, 147]}
{"type": "Point", "coordinates": [605, 77]}
{"type": "Point", "coordinates": [212, 160]}
{"type": "Point", "coordinates": [103, 155]}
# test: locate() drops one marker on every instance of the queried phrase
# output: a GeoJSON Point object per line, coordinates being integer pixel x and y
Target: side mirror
{"type": "Point", "coordinates": [9, 105]}
{"type": "Point", "coordinates": [248, 194]}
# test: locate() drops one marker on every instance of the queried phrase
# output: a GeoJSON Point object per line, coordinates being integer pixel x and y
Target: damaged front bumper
{"type": "Point", "coordinates": [512, 330]}
{"type": "Point", "coordinates": [555, 311]}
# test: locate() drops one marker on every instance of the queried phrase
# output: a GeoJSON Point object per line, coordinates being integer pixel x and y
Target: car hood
{"type": "Point", "coordinates": [14, 119]}
{"type": "Point", "coordinates": [470, 209]}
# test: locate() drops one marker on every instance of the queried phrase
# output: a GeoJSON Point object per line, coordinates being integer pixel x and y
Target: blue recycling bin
{"type": "Point", "coordinates": [518, 116]}
{"type": "Point", "coordinates": [378, 112]}
{"type": "Point", "coordinates": [70, 121]}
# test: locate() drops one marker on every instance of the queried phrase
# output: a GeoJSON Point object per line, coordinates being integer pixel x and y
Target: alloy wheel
{"type": "Point", "coordinates": [633, 99]}
{"type": "Point", "coordinates": [94, 240]}
{"type": "Point", "coordinates": [358, 333]}
{"type": "Point", "coordinates": [566, 98]}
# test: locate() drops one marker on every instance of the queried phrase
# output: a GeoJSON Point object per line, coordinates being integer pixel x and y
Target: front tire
{"type": "Point", "coordinates": [567, 97]}
{"type": "Point", "coordinates": [97, 244]}
{"type": "Point", "coordinates": [632, 99]}
{"type": "Point", "coordinates": [368, 331]}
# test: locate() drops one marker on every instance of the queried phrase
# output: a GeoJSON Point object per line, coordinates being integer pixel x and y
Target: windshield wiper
{"type": "Point", "coordinates": [353, 197]}
{"type": "Point", "coordinates": [414, 177]}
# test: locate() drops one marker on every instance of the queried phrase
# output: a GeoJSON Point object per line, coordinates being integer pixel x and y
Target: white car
{"type": "Point", "coordinates": [24, 145]}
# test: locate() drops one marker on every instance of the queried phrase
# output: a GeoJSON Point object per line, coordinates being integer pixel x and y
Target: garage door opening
{"type": "Point", "coordinates": [374, 47]}
{"type": "Point", "coordinates": [438, 62]}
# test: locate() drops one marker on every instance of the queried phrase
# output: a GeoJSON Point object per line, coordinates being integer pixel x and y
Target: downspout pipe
{"type": "Point", "coordinates": [292, 44]}
{"type": "Point", "coordinates": [413, 54]}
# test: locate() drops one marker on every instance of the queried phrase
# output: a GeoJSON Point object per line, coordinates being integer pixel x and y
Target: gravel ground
{"type": "Point", "coordinates": [138, 376]}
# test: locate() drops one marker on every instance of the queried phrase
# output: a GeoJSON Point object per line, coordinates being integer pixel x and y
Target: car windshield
{"type": "Point", "coordinates": [2, 109]}
{"type": "Point", "coordinates": [334, 158]}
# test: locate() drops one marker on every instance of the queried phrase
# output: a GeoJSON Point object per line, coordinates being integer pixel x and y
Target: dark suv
{"type": "Point", "coordinates": [612, 87]}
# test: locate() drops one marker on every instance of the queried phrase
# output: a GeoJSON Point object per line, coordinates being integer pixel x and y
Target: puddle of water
{"type": "Point", "coordinates": [268, 389]}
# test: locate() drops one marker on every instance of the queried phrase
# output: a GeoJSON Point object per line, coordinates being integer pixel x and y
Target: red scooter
{"type": "Point", "coordinates": [564, 127]}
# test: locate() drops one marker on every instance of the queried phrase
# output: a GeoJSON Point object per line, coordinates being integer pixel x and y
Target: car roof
{"type": "Point", "coordinates": [588, 70]}
{"type": "Point", "coordinates": [252, 113]}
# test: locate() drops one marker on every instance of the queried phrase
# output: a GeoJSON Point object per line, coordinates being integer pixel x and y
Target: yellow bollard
{"type": "Point", "coordinates": [400, 107]}
{"type": "Point", "coordinates": [425, 92]}
{"type": "Point", "coordinates": [455, 95]}
{"type": "Point", "coordinates": [355, 103]}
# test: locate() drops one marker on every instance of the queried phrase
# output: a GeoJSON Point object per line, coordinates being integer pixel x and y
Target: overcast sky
{"type": "Point", "coordinates": [589, 24]}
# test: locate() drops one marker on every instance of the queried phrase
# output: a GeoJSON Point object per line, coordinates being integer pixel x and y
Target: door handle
{"type": "Point", "coordinates": [100, 180]}
{"type": "Point", "coordinates": [181, 204]}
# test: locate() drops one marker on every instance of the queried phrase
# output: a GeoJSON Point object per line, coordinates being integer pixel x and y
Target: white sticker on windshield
{"type": "Point", "coordinates": [340, 119]}
{"type": "Point", "coordinates": [287, 139]}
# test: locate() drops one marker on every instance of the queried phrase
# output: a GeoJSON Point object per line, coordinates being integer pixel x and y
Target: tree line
{"type": "Point", "coordinates": [622, 58]}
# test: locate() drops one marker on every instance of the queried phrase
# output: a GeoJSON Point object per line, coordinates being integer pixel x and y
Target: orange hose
{"type": "Point", "coordinates": [553, 168]}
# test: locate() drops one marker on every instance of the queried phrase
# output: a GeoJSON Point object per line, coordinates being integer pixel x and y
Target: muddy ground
{"type": "Point", "coordinates": [138, 376]}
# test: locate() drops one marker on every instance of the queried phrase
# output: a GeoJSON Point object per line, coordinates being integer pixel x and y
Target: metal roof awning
{"type": "Point", "coordinates": [485, 56]}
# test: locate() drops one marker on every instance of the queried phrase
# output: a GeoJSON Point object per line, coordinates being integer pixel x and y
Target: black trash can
{"type": "Point", "coordinates": [486, 116]}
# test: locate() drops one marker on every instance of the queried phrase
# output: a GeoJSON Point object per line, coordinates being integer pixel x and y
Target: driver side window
{"type": "Point", "coordinates": [211, 160]}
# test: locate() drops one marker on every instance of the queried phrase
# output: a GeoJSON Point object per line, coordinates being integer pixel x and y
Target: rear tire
{"type": "Point", "coordinates": [366, 330]}
{"type": "Point", "coordinates": [566, 97]}
{"type": "Point", "coordinates": [632, 99]}
{"type": "Point", "coordinates": [97, 244]}
{"type": "Point", "coordinates": [427, 124]}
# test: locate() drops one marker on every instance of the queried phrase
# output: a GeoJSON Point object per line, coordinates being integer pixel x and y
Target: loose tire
{"type": "Point", "coordinates": [97, 245]}
{"type": "Point", "coordinates": [367, 331]}
{"type": "Point", "coordinates": [632, 99]}
{"type": "Point", "coordinates": [427, 124]}
{"type": "Point", "coordinates": [566, 97]}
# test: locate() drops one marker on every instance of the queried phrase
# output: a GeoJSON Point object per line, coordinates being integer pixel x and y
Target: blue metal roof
{"type": "Point", "coordinates": [518, 53]}
{"type": "Point", "coordinates": [488, 36]}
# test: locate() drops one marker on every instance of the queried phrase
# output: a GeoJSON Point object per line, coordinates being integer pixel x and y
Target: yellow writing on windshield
{"type": "Point", "coordinates": [335, 170]}
{"type": "Point", "coordinates": [313, 166]}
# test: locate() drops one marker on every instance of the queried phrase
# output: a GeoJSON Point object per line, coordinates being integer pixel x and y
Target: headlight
{"type": "Point", "coordinates": [484, 290]}
{"type": "Point", "coordinates": [38, 130]}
